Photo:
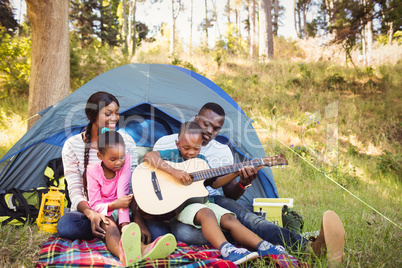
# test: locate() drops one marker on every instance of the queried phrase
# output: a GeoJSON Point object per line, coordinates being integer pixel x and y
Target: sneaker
{"type": "Point", "coordinates": [280, 256]}
{"type": "Point", "coordinates": [240, 255]}
{"type": "Point", "coordinates": [272, 250]}
{"type": "Point", "coordinates": [331, 239]}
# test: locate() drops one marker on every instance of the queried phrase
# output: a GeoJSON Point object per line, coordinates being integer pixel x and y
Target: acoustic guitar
{"type": "Point", "coordinates": [160, 196]}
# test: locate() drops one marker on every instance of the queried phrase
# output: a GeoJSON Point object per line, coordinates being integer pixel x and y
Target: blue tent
{"type": "Point", "coordinates": [154, 100]}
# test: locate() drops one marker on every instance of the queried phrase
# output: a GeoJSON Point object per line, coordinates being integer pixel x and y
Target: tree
{"type": "Point", "coordinates": [367, 32]}
{"type": "Point", "coordinates": [253, 31]}
{"type": "Point", "coordinates": [391, 19]}
{"type": "Point", "coordinates": [7, 17]}
{"type": "Point", "coordinates": [108, 29]}
{"type": "Point", "coordinates": [84, 18]}
{"type": "Point", "coordinates": [301, 9]}
{"type": "Point", "coordinates": [266, 41]}
{"type": "Point", "coordinates": [50, 54]}
{"type": "Point", "coordinates": [176, 6]}
{"type": "Point", "coordinates": [276, 17]}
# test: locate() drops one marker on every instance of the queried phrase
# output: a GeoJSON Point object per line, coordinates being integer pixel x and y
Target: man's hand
{"type": "Point", "coordinates": [96, 218]}
{"type": "Point", "coordinates": [248, 174]}
{"type": "Point", "coordinates": [146, 236]}
{"type": "Point", "coordinates": [182, 176]}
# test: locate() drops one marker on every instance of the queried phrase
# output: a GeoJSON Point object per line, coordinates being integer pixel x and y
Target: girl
{"type": "Point", "coordinates": [79, 153]}
{"type": "Point", "coordinates": [108, 184]}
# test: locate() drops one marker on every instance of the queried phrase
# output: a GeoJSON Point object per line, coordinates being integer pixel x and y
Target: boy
{"type": "Point", "coordinates": [211, 218]}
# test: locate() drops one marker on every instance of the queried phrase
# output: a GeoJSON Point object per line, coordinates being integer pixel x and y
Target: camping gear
{"type": "Point", "coordinates": [160, 197]}
{"type": "Point", "coordinates": [154, 100]}
{"type": "Point", "coordinates": [20, 207]}
{"type": "Point", "coordinates": [292, 220]}
{"type": "Point", "coordinates": [51, 210]}
{"type": "Point", "coordinates": [272, 208]}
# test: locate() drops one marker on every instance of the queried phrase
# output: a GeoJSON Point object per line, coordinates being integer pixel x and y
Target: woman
{"type": "Point", "coordinates": [79, 152]}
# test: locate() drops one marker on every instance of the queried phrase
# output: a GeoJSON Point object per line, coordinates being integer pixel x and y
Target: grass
{"type": "Point", "coordinates": [298, 103]}
{"type": "Point", "coordinates": [20, 246]}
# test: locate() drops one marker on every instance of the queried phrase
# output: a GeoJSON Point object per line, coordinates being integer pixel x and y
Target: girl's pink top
{"type": "Point", "coordinates": [101, 191]}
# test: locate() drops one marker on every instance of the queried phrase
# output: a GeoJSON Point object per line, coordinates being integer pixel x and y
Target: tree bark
{"type": "Point", "coordinates": [130, 26]}
{"type": "Point", "coordinates": [191, 28]}
{"type": "Point", "coordinates": [252, 30]}
{"type": "Point", "coordinates": [124, 28]}
{"type": "Point", "coordinates": [305, 8]}
{"type": "Point", "coordinates": [50, 58]}
{"type": "Point", "coordinates": [276, 17]}
{"type": "Point", "coordinates": [266, 48]}
{"type": "Point", "coordinates": [134, 37]}
{"type": "Point", "coordinates": [173, 31]}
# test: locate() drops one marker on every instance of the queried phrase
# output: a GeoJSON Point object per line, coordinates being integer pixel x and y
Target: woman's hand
{"type": "Point", "coordinates": [96, 219]}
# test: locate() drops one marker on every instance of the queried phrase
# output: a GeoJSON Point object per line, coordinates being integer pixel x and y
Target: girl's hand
{"type": "Point", "coordinates": [182, 176]}
{"type": "Point", "coordinates": [96, 218]}
{"type": "Point", "coordinates": [122, 202]}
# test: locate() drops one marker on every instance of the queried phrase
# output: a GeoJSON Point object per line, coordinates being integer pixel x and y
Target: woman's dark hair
{"type": "Point", "coordinates": [95, 103]}
{"type": "Point", "coordinates": [109, 139]}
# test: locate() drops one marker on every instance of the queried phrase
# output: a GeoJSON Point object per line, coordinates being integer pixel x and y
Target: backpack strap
{"type": "Point", "coordinates": [22, 206]}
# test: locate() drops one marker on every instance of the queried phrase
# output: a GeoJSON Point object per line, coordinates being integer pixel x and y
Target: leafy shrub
{"type": "Point", "coordinates": [89, 62]}
{"type": "Point", "coordinates": [15, 63]}
{"type": "Point", "coordinates": [287, 49]}
{"type": "Point", "coordinates": [388, 163]}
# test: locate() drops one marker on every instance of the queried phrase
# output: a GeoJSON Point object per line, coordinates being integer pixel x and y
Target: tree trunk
{"type": "Point", "coordinates": [102, 27]}
{"type": "Point", "coordinates": [124, 28]}
{"type": "Point", "coordinates": [252, 30]}
{"type": "Point", "coordinates": [50, 56]}
{"type": "Point", "coordinates": [276, 17]}
{"type": "Point", "coordinates": [130, 27]}
{"type": "Point", "coordinates": [206, 21]}
{"type": "Point", "coordinates": [304, 20]}
{"type": "Point", "coordinates": [295, 17]}
{"type": "Point", "coordinates": [134, 28]}
{"type": "Point", "coordinates": [266, 48]}
{"type": "Point", "coordinates": [390, 33]}
{"type": "Point", "coordinates": [369, 31]}
{"type": "Point", "coordinates": [228, 11]}
{"type": "Point", "coordinates": [173, 31]}
{"type": "Point", "coordinates": [191, 28]}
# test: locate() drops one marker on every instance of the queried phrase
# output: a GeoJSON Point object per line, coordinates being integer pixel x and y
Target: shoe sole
{"type": "Point", "coordinates": [246, 258]}
{"type": "Point", "coordinates": [131, 244]}
{"type": "Point", "coordinates": [163, 247]}
{"type": "Point", "coordinates": [334, 235]}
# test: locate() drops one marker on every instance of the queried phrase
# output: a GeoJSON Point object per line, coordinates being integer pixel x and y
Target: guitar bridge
{"type": "Point", "coordinates": [157, 188]}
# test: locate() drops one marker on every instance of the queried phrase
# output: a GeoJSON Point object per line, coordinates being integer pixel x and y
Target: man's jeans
{"type": "Point", "coordinates": [264, 229]}
{"type": "Point", "coordinates": [75, 225]}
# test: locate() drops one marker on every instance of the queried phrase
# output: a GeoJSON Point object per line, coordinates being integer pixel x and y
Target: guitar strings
{"type": "Point", "coordinates": [328, 177]}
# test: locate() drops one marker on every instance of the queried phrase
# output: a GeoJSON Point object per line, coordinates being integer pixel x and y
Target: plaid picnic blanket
{"type": "Point", "coordinates": [59, 252]}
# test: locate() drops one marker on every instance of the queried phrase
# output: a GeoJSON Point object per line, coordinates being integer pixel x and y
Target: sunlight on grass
{"type": "Point", "coordinates": [12, 128]}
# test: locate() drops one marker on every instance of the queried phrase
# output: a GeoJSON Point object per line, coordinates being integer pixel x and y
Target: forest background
{"type": "Point", "coordinates": [330, 96]}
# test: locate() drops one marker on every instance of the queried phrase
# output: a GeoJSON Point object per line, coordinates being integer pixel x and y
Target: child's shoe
{"type": "Point", "coordinates": [240, 255]}
{"type": "Point", "coordinates": [279, 254]}
{"type": "Point", "coordinates": [271, 250]}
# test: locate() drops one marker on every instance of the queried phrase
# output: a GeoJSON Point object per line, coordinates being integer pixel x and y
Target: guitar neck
{"type": "Point", "coordinates": [216, 172]}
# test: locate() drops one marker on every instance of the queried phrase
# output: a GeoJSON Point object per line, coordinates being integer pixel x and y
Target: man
{"type": "Point", "coordinates": [211, 118]}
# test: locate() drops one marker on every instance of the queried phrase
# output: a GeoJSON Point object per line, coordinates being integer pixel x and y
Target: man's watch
{"type": "Point", "coordinates": [245, 187]}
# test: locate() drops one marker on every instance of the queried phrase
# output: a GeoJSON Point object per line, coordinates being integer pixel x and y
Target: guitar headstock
{"type": "Point", "coordinates": [277, 160]}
